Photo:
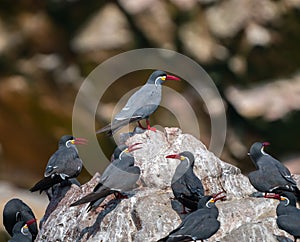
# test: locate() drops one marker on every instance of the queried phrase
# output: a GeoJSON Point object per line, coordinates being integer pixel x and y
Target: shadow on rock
{"type": "Point", "coordinates": [55, 195]}
{"type": "Point", "coordinates": [281, 238]}
{"type": "Point", "coordinates": [92, 230]}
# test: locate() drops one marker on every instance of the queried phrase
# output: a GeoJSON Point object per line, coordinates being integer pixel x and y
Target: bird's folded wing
{"type": "Point", "coordinates": [195, 186]}
{"type": "Point", "coordinates": [285, 173]}
{"type": "Point", "coordinates": [62, 162]}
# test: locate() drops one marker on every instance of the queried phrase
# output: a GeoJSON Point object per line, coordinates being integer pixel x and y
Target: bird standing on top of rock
{"type": "Point", "coordinates": [288, 215]}
{"type": "Point", "coordinates": [62, 165]}
{"type": "Point", "coordinates": [198, 225]}
{"type": "Point", "coordinates": [120, 176]}
{"type": "Point", "coordinates": [141, 104]}
{"type": "Point", "coordinates": [186, 186]}
{"type": "Point", "coordinates": [272, 176]}
{"type": "Point", "coordinates": [21, 233]}
{"type": "Point", "coordinates": [15, 210]}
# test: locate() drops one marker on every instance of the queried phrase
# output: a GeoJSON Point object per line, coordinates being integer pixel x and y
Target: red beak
{"type": "Point", "coordinates": [133, 147]}
{"type": "Point", "coordinates": [175, 156]}
{"type": "Point", "coordinates": [174, 78]}
{"type": "Point", "coordinates": [31, 221]}
{"type": "Point", "coordinates": [265, 143]}
{"type": "Point", "coordinates": [80, 141]}
{"type": "Point", "coordinates": [216, 196]}
{"type": "Point", "coordinates": [274, 195]}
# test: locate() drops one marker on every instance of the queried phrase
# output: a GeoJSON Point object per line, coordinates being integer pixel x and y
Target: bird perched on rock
{"type": "Point", "coordinates": [288, 215]}
{"type": "Point", "coordinates": [186, 186]}
{"type": "Point", "coordinates": [120, 176]}
{"type": "Point", "coordinates": [141, 104]}
{"type": "Point", "coordinates": [198, 225]}
{"type": "Point", "coordinates": [62, 165]}
{"type": "Point", "coordinates": [271, 175]}
{"type": "Point", "coordinates": [21, 233]}
{"type": "Point", "coordinates": [15, 210]}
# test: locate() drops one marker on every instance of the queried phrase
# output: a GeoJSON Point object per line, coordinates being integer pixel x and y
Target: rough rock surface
{"type": "Point", "coordinates": [147, 214]}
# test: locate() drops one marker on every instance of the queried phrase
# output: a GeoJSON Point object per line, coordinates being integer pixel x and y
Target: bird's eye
{"type": "Point", "coordinates": [24, 230]}
{"type": "Point", "coordinates": [68, 143]}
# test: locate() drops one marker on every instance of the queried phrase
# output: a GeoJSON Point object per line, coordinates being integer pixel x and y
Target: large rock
{"type": "Point", "coordinates": [147, 214]}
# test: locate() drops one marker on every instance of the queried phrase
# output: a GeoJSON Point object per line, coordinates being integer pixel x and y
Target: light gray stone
{"type": "Point", "coordinates": [147, 214]}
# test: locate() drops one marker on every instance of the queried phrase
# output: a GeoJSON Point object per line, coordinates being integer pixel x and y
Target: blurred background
{"type": "Point", "coordinates": [250, 48]}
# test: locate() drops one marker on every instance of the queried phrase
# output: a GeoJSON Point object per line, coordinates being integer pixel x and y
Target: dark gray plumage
{"type": "Point", "coordinates": [271, 175]}
{"type": "Point", "coordinates": [288, 215]}
{"type": "Point", "coordinates": [198, 225]}
{"type": "Point", "coordinates": [15, 210]}
{"type": "Point", "coordinates": [117, 151]}
{"type": "Point", "coordinates": [62, 165]}
{"type": "Point", "coordinates": [120, 176]}
{"type": "Point", "coordinates": [141, 104]}
{"type": "Point", "coordinates": [55, 194]}
{"type": "Point", "coordinates": [186, 186]}
{"type": "Point", "coordinates": [21, 233]}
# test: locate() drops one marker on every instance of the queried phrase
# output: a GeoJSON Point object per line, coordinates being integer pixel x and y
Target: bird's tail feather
{"type": "Point", "coordinates": [46, 183]}
{"type": "Point", "coordinates": [106, 128]}
{"type": "Point", "coordinates": [163, 239]}
{"type": "Point", "coordinates": [95, 204]}
{"type": "Point", "coordinates": [110, 129]}
{"type": "Point", "coordinates": [94, 196]}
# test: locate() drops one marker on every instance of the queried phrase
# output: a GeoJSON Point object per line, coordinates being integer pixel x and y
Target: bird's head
{"type": "Point", "coordinates": [208, 201]}
{"type": "Point", "coordinates": [257, 150]}
{"type": "Point", "coordinates": [69, 140]}
{"type": "Point", "coordinates": [25, 230]}
{"type": "Point", "coordinates": [128, 149]}
{"type": "Point", "coordinates": [158, 78]}
{"type": "Point", "coordinates": [285, 200]}
{"type": "Point", "coordinates": [185, 155]}
{"type": "Point", "coordinates": [22, 227]}
{"type": "Point", "coordinates": [118, 150]}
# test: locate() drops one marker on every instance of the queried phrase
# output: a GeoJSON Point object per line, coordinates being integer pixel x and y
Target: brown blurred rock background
{"type": "Point", "coordinates": [250, 48]}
